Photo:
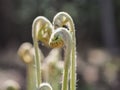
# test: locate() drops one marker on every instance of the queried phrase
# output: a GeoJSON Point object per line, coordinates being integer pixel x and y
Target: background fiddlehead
{"type": "Point", "coordinates": [27, 56]}
{"type": "Point", "coordinates": [26, 53]}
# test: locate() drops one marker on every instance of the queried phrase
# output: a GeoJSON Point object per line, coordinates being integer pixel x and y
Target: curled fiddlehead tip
{"type": "Point", "coordinates": [59, 37]}
{"type": "Point", "coordinates": [42, 29]}
{"type": "Point", "coordinates": [10, 85]}
{"type": "Point", "coordinates": [45, 85]}
{"type": "Point", "coordinates": [62, 19]}
{"type": "Point", "coordinates": [56, 41]}
{"type": "Point", "coordinates": [24, 52]}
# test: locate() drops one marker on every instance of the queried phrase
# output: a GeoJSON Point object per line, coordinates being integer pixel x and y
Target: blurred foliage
{"type": "Point", "coordinates": [22, 12]}
{"type": "Point", "coordinates": [85, 13]}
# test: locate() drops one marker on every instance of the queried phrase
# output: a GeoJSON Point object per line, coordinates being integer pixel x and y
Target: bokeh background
{"type": "Point", "coordinates": [97, 24]}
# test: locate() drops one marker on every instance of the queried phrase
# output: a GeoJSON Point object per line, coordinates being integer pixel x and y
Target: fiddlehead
{"type": "Point", "coordinates": [26, 54]}
{"type": "Point", "coordinates": [45, 85]}
{"type": "Point", "coordinates": [63, 19]}
{"type": "Point", "coordinates": [57, 42]}
{"type": "Point", "coordinates": [62, 34]}
{"type": "Point", "coordinates": [10, 85]}
{"type": "Point", "coordinates": [41, 30]}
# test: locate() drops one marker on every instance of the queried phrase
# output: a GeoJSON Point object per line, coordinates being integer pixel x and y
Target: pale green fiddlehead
{"type": "Point", "coordinates": [41, 30]}
{"type": "Point", "coordinates": [63, 19]}
{"type": "Point", "coordinates": [63, 35]}
{"type": "Point", "coordinates": [24, 52]}
{"type": "Point", "coordinates": [26, 55]}
{"type": "Point", "coordinates": [46, 85]}
{"type": "Point", "coordinates": [10, 85]}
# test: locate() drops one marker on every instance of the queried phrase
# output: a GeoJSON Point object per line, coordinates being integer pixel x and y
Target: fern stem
{"type": "Point", "coordinates": [64, 19]}
{"type": "Point", "coordinates": [37, 57]}
{"type": "Point", "coordinates": [64, 35]}
{"type": "Point", "coordinates": [30, 77]}
{"type": "Point", "coordinates": [66, 69]}
{"type": "Point", "coordinates": [73, 61]}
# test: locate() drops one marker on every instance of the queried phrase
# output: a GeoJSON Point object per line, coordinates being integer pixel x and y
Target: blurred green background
{"type": "Point", "coordinates": [97, 24]}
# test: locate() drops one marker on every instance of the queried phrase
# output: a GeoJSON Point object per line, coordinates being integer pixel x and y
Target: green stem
{"type": "Point", "coordinates": [30, 77]}
{"type": "Point", "coordinates": [66, 69]}
{"type": "Point", "coordinates": [64, 35]}
{"type": "Point", "coordinates": [37, 57]}
{"type": "Point", "coordinates": [73, 61]}
{"type": "Point", "coordinates": [56, 21]}
{"type": "Point", "coordinates": [37, 64]}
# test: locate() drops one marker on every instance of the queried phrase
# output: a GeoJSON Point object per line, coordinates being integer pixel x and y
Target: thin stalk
{"type": "Point", "coordinates": [30, 76]}
{"type": "Point", "coordinates": [59, 22]}
{"type": "Point", "coordinates": [73, 61]}
{"type": "Point", "coordinates": [37, 57]}
{"type": "Point", "coordinates": [66, 69]}
{"type": "Point", "coordinates": [64, 35]}
{"type": "Point", "coordinates": [41, 31]}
